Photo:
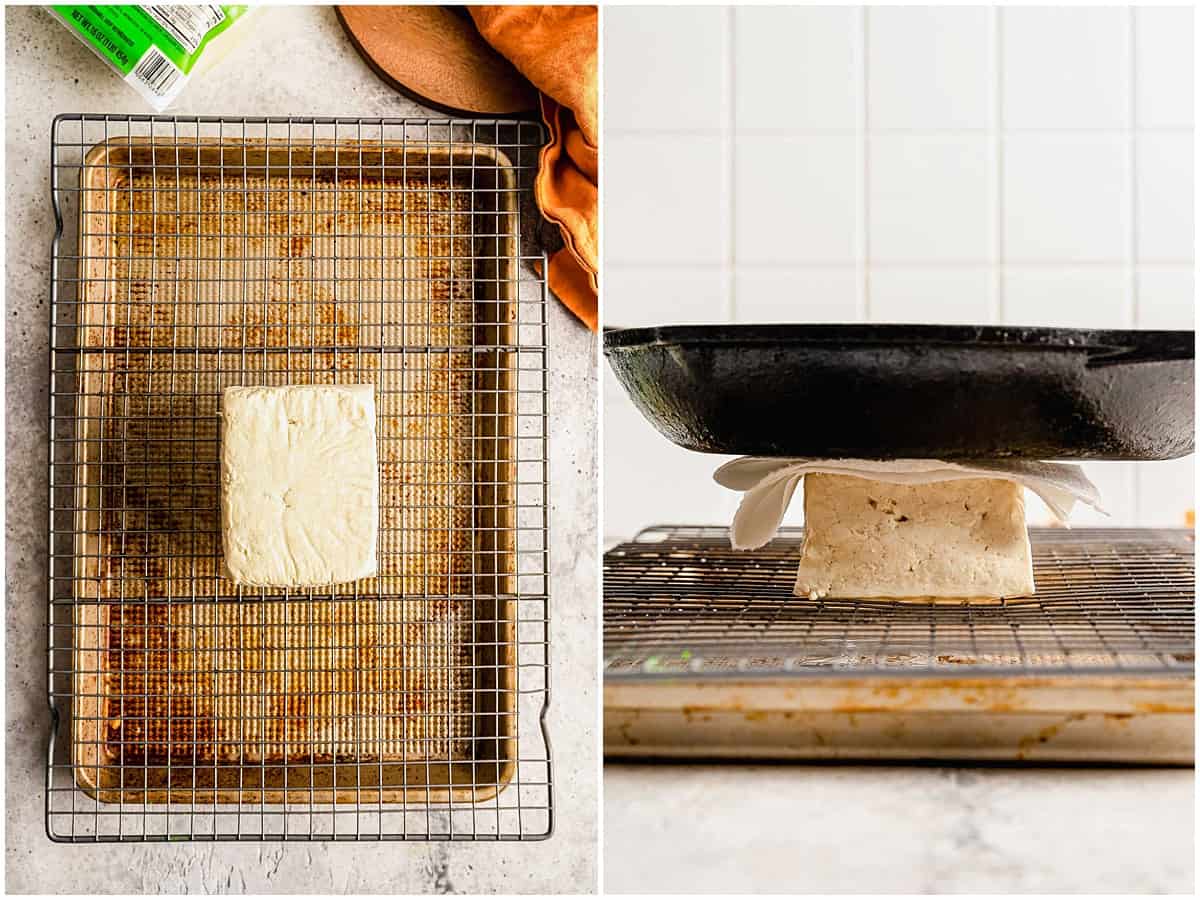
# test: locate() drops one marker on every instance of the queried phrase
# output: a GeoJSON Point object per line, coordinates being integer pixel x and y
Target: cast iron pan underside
{"type": "Point", "coordinates": [912, 391]}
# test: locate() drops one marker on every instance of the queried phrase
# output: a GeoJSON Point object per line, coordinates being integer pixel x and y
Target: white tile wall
{"type": "Point", "coordinates": [1165, 175]}
{"type": "Point", "coordinates": [654, 78]}
{"type": "Point", "coordinates": [931, 198]}
{"type": "Point", "coordinates": [671, 207]}
{"type": "Point", "coordinates": [1066, 198]}
{"type": "Point", "coordinates": [786, 294]}
{"type": "Point", "coordinates": [1166, 297]}
{"type": "Point", "coordinates": [797, 199]}
{"type": "Point", "coordinates": [1024, 165]}
{"type": "Point", "coordinates": [1036, 294]}
{"type": "Point", "coordinates": [930, 67]}
{"type": "Point", "coordinates": [1065, 67]}
{"type": "Point", "coordinates": [956, 295]}
{"type": "Point", "coordinates": [798, 67]}
{"type": "Point", "coordinates": [681, 295]}
{"type": "Point", "coordinates": [1164, 71]}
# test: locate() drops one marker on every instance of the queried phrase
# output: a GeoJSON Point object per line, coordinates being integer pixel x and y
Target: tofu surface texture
{"type": "Point", "coordinates": [299, 485]}
{"type": "Point", "coordinates": [962, 539]}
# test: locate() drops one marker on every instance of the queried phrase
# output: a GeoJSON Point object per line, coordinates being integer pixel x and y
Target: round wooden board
{"type": "Point", "coordinates": [435, 56]}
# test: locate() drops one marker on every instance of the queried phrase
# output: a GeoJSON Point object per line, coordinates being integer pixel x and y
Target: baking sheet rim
{"type": "Point", "coordinates": [96, 166]}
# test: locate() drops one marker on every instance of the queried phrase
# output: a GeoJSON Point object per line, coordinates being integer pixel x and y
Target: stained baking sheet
{"type": "Point", "coordinates": [708, 653]}
{"type": "Point", "coordinates": [207, 265]}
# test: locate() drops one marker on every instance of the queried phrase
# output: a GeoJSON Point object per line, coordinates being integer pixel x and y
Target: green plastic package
{"type": "Point", "coordinates": [155, 49]}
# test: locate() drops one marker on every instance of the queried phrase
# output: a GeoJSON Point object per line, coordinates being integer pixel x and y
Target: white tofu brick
{"type": "Point", "coordinates": [299, 485]}
{"type": "Point", "coordinates": [961, 539]}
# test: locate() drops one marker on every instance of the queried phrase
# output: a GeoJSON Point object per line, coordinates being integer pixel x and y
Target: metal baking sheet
{"type": "Point", "coordinates": [209, 264]}
{"type": "Point", "coordinates": [708, 653]}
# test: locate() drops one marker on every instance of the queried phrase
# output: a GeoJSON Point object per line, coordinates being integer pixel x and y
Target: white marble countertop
{"type": "Point", "coordinates": [788, 827]}
{"type": "Point", "coordinates": [306, 67]}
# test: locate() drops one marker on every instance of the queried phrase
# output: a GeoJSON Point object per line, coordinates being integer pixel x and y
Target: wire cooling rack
{"type": "Point", "coordinates": [678, 602]}
{"type": "Point", "coordinates": [193, 254]}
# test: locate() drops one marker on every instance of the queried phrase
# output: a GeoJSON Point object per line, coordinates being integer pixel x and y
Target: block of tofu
{"type": "Point", "coordinates": [962, 539]}
{"type": "Point", "coordinates": [299, 485]}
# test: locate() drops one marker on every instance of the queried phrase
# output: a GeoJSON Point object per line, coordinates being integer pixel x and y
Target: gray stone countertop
{"type": "Point", "coordinates": [293, 61]}
{"type": "Point", "coordinates": [731, 828]}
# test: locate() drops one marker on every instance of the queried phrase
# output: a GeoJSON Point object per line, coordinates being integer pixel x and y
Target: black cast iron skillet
{"type": "Point", "coordinates": [912, 391]}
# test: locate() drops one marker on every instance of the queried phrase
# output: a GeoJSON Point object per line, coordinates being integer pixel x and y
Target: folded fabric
{"type": "Point", "coordinates": [769, 483]}
{"type": "Point", "coordinates": [555, 48]}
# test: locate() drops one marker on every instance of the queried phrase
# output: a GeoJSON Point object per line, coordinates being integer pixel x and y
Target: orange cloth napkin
{"type": "Point", "coordinates": [555, 48]}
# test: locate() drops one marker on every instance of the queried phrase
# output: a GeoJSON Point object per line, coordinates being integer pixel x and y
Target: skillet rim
{"type": "Point", "coordinates": [1175, 344]}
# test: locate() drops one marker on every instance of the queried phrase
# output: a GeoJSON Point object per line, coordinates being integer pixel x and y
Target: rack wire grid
{"type": "Point", "coordinates": [193, 254]}
{"type": "Point", "coordinates": [680, 603]}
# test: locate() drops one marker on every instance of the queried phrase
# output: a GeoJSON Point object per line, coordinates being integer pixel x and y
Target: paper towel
{"type": "Point", "coordinates": [770, 482]}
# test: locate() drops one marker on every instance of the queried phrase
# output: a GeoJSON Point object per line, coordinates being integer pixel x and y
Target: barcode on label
{"type": "Point", "coordinates": [157, 73]}
{"type": "Point", "coordinates": [187, 24]}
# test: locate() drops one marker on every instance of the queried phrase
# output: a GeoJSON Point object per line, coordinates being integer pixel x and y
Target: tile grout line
{"type": "Point", "coordinates": [1134, 302]}
{"type": "Point", "coordinates": [730, 150]}
{"type": "Point", "coordinates": [997, 72]}
{"type": "Point", "coordinates": [863, 144]}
